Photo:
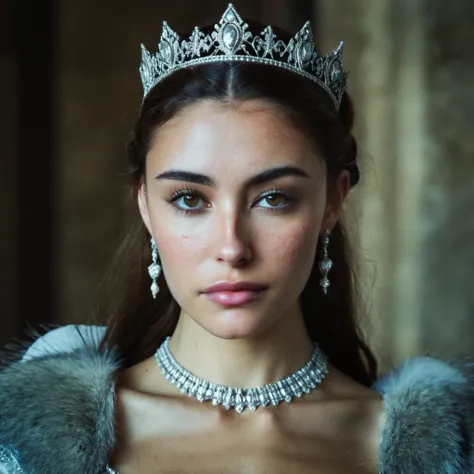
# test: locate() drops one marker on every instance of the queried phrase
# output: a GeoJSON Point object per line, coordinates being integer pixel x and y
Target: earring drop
{"type": "Point", "coordinates": [154, 270]}
{"type": "Point", "coordinates": [325, 264]}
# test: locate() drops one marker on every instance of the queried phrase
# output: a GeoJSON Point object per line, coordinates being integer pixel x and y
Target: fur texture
{"type": "Point", "coordinates": [57, 413]}
{"type": "Point", "coordinates": [429, 428]}
{"type": "Point", "coordinates": [57, 408]}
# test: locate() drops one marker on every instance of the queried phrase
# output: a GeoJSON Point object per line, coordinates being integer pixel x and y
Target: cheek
{"type": "Point", "coordinates": [293, 248]}
{"type": "Point", "coordinates": [177, 249]}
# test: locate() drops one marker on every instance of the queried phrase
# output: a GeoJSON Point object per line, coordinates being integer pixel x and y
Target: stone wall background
{"type": "Point", "coordinates": [411, 69]}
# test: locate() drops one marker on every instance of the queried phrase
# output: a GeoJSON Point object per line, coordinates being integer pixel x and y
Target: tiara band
{"type": "Point", "coordinates": [231, 41]}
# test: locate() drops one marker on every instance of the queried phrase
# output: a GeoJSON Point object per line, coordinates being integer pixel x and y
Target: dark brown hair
{"type": "Point", "coordinates": [137, 324]}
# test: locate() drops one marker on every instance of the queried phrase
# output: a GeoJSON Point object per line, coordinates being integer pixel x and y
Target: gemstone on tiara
{"type": "Point", "coordinates": [231, 40]}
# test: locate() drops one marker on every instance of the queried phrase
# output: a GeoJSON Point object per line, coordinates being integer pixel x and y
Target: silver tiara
{"type": "Point", "coordinates": [231, 41]}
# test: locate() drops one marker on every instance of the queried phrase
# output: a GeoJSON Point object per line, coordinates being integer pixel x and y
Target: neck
{"type": "Point", "coordinates": [245, 362]}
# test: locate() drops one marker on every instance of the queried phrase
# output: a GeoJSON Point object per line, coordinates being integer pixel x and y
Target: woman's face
{"type": "Point", "coordinates": [220, 210]}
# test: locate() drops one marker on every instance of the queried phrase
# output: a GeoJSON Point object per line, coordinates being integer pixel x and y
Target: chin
{"type": "Point", "coordinates": [235, 326]}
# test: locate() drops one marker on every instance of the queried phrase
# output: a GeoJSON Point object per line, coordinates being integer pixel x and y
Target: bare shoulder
{"type": "Point", "coordinates": [339, 385]}
{"type": "Point", "coordinates": [351, 413]}
{"type": "Point", "coordinates": [360, 408]}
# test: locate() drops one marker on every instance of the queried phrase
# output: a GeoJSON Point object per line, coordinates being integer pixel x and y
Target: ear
{"type": "Point", "coordinates": [143, 205]}
{"type": "Point", "coordinates": [335, 201]}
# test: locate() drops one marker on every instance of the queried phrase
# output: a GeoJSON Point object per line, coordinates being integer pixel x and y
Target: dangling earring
{"type": "Point", "coordinates": [325, 264]}
{"type": "Point", "coordinates": [154, 270]}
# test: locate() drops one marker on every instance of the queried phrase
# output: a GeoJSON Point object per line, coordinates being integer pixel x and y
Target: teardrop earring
{"type": "Point", "coordinates": [325, 264]}
{"type": "Point", "coordinates": [154, 270]}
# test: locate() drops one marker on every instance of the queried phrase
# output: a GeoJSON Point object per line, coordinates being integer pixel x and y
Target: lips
{"type": "Point", "coordinates": [237, 293]}
{"type": "Point", "coordinates": [225, 286]}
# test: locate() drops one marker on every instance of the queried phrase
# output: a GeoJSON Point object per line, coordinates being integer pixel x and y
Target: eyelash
{"type": "Point", "coordinates": [189, 192]}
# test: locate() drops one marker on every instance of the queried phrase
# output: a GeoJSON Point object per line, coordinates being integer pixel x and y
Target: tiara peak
{"type": "Point", "coordinates": [231, 40]}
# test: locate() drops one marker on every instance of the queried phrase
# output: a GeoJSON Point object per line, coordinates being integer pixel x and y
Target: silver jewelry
{"type": "Point", "coordinates": [154, 270]}
{"type": "Point", "coordinates": [304, 380]}
{"type": "Point", "coordinates": [325, 264]}
{"type": "Point", "coordinates": [231, 41]}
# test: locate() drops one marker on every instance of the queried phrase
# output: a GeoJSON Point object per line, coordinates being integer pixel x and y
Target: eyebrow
{"type": "Point", "coordinates": [263, 177]}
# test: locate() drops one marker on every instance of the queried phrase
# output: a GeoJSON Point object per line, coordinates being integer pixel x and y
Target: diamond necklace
{"type": "Point", "coordinates": [304, 380]}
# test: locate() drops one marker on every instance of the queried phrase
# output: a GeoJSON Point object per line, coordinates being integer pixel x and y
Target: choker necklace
{"type": "Point", "coordinates": [304, 380]}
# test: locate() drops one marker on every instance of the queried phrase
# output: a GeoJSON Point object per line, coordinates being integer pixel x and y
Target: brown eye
{"type": "Point", "coordinates": [276, 200]}
{"type": "Point", "coordinates": [191, 200]}
{"type": "Point", "coordinates": [273, 199]}
{"type": "Point", "coordinates": [188, 200]}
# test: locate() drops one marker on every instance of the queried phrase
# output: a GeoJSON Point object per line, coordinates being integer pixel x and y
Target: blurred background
{"type": "Point", "coordinates": [69, 94]}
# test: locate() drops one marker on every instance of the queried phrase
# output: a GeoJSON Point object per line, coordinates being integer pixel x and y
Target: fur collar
{"type": "Point", "coordinates": [57, 412]}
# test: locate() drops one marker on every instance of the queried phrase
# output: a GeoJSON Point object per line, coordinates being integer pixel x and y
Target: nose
{"type": "Point", "coordinates": [232, 240]}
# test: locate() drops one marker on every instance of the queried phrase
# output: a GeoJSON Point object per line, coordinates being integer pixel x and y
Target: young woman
{"type": "Point", "coordinates": [233, 344]}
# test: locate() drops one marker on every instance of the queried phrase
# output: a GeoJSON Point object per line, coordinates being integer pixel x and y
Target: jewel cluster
{"type": "Point", "coordinates": [9, 461]}
{"type": "Point", "coordinates": [231, 41]}
{"type": "Point", "coordinates": [305, 380]}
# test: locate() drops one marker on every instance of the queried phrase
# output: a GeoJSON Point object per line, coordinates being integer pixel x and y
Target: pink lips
{"type": "Point", "coordinates": [234, 293]}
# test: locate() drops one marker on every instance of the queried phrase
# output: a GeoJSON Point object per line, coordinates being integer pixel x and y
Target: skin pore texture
{"type": "Point", "coordinates": [229, 228]}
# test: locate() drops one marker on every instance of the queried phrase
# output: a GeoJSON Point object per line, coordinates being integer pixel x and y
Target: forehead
{"type": "Point", "coordinates": [232, 137]}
